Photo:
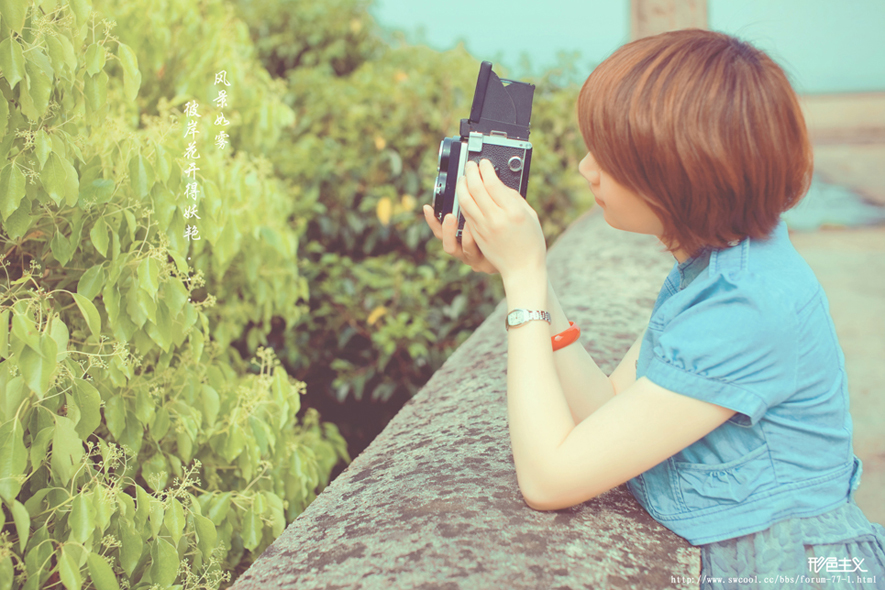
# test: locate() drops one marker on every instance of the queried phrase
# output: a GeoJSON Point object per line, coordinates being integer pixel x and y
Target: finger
{"type": "Point", "coordinates": [467, 203]}
{"type": "Point", "coordinates": [498, 192]}
{"type": "Point", "coordinates": [449, 241]}
{"type": "Point", "coordinates": [468, 243]}
{"type": "Point", "coordinates": [432, 221]}
{"type": "Point", "coordinates": [478, 190]}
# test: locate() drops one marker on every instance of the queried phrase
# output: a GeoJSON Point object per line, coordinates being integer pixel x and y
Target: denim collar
{"type": "Point", "coordinates": [692, 267]}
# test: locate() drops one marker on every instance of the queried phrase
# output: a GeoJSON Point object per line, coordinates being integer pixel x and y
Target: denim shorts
{"type": "Point", "coordinates": [837, 550]}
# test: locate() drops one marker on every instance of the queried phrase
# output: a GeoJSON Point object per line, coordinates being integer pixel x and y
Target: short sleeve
{"type": "Point", "coordinates": [732, 342]}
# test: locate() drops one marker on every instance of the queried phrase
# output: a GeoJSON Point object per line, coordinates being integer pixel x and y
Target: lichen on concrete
{"type": "Point", "coordinates": [433, 502]}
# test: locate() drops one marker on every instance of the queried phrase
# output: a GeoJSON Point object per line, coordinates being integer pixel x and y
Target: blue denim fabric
{"type": "Point", "coordinates": [748, 328]}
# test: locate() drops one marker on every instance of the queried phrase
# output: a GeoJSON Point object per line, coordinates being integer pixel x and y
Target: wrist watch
{"type": "Point", "coordinates": [520, 316]}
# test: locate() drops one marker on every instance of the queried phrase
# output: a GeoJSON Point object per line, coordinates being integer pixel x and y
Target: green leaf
{"type": "Point", "coordinates": [155, 472]}
{"type": "Point", "coordinates": [18, 224]}
{"type": "Point", "coordinates": [206, 535]}
{"type": "Point", "coordinates": [148, 276]}
{"type": "Point", "coordinates": [160, 425]}
{"type": "Point", "coordinates": [164, 568]}
{"type": "Point", "coordinates": [67, 450]}
{"type": "Point", "coordinates": [68, 569]}
{"type": "Point", "coordinates": [131, 223]}
{"type": "Point", "coordinates": [95, 58]}
{"type": "Point", "coordinates": [156, 516]}
{"type": "Point", "coordinates": [12, 58]}
{"type": "Point", "coordinates": [42, 147]}
{"type": "Point", "coordinates": [12, 189]}
{"type": "Point", "coordinates": [97, 192]}
{"type": "Point", "coordinates": [88, 401]}
{"type": "Point", "coordinates": [174, 520]}
{"type": "Point", "coordinates": [40, 77]}
{"type": "Point", "coordinates": [164, 164]}
{"type": "Point", "coordinates": [58, 331]}
{"type": "Point", "coordinates": [93, 320]}
{"type": "Point", "coordinates": [99, 236]}
{"type": "Point", "coordinates": [141, 175]}
{"type": "Point", "coordinates": [7, 573]}
{"type": "Point", "coordinates": [91, 281]}
{"type": "Point", "coordinates": [101, 573]}
{"type": "Point", "coordinates": [211, 404]}
{"type": "Point", "coordinates": [219, 506]}
{"type": "Point", "coordinates": [236, 441]}
{"type": "Point", "coordinates": [175, 295]}
{"type": "Point", "coordinates": [131, 74]}
{"type": "Point", "coordinates": [24, 329]}
{"type": "Point", "coordinates": [143, 507]}
{"type": "Point", "coordinates": [252, 529]}
{"type": "Point", "coordinates": [37, 368]}
{"type": "Point", "coordinates": [4, 118]}
{"type": "Point", "coordinates": [82, 518]}
{"type": "Point", "coordinates": [72, 183]}
{"type": "Point", "coordinates": [40, 446]}
{"type": "Point", "coordinates": [4, 336]}
{"type": "Point", "coordinates": [160, 330]}
{"type": "Point", "coordinates": [115, 416]}
{"type": "Point", "coordinates": [53, 179]}
{"type": "Point", "coordinates": [13, 458]}
{"type": "Point", "coordinates": [22, 524]}
{"type": "Point", "coordinates": [133, 545]}
{"type": "Point", "coordinates": [81, 10]}
{"type": "Point", "coordinates": [104, 507]}
{"type": "Point", "coordinates": [61, 248]}
{"type": "Point", "coordinates": [180, 264]}
{"type": "Point", "coordinates": [95, 90]}
{"type": "Point", "coordinates": [62, 53]}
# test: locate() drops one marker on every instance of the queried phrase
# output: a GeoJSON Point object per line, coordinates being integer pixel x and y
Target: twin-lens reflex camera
{"type": "Point", "coordinates": [497, 130]}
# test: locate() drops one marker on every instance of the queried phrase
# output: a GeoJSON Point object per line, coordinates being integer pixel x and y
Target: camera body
{"type": "Point", "coordinates": [497, 130]}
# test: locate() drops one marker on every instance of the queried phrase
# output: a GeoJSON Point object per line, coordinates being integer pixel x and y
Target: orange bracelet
{"type": "Point", "coordinates": [566, 337]}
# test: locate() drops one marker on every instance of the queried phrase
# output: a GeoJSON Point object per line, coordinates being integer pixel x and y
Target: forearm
{"type": "Point", "coordinates": [538, 415]}
{"type": "Point", "coordinates": [585, 385]}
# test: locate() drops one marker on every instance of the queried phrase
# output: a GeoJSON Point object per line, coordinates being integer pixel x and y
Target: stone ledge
{"type": "Point", "coordinates": [433, 501]}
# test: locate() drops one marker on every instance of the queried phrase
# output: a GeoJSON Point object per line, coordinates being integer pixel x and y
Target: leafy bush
{"type": "Point", "coordinates": [136, 448]}
{"type": "Point", "coordinates": [387, 307]}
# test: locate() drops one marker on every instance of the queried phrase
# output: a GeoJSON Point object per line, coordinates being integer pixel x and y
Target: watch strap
{"type": "Point", "coordinates": [530, 314]}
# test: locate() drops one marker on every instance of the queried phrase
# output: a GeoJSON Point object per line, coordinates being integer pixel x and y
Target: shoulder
{"type": "Point", "coordinates": [762, 280]}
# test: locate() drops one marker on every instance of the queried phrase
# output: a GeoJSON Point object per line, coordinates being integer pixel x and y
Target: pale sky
{"type": "Point", "coordinates": [824, 45]}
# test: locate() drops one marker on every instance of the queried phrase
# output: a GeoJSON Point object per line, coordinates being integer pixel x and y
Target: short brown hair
{"type": "Point", "coordinates": [705, 128]}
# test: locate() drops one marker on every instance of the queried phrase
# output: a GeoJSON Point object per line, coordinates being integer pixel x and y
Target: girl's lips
{"type": "Point", "coordinates": [598, 202]}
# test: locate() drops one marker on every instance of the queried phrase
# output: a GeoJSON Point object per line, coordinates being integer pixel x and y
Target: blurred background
{"type": "Point", "coordinates": [168, 405]}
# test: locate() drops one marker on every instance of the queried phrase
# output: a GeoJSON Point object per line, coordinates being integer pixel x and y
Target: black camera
{"type": "Point", "coordinates": [497, 130]}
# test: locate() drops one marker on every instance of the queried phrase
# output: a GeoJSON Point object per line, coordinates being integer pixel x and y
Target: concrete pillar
{"type": "Point", "coordinates": [650, 17]}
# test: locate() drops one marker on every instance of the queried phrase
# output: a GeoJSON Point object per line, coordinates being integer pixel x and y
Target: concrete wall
{"type": "Point", "coordinates": [433, 502]}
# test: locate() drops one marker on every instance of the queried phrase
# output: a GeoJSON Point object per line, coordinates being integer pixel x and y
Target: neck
{"type": "Point", "coordinates": [680, 255]}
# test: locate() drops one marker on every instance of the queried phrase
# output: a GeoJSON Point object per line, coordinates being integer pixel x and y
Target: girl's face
{"type": "Point", "coordinates": [623, 208]}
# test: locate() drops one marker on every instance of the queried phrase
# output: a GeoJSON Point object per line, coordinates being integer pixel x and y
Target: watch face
{"type": "Point", "coordinates": [516, 317]}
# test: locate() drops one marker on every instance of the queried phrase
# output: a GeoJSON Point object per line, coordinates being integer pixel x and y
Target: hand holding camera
{"type": "Point", "coordinates": [503, 224]}
{"type": "Point", "coordinates": [497, 133]}
{"type": "Point", "coordinates": [467, 251]}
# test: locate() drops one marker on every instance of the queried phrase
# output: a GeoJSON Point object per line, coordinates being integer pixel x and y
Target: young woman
{"type": "Point", "coordinates": [728, 418]}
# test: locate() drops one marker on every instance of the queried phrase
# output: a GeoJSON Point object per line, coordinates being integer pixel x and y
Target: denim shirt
{"type": "Point", "coordinates": [748, 328]}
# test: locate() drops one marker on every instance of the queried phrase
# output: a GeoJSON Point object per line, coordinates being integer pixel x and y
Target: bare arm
{"type": "Point", "coordinates": [560, 464]}
{"type": "Point", "coordinates": [585, 386]}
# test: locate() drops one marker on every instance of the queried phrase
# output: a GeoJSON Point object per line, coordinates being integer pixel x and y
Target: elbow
{"type": "Point", "coordinates": [543, 498]}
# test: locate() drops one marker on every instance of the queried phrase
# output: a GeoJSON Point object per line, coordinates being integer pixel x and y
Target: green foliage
{"type": "Point", "coordinates": [387, 306]}
{"type": "Point", "coordinates": [135, 449]}
{"type": "Point", "coordinates": [335, 34]}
